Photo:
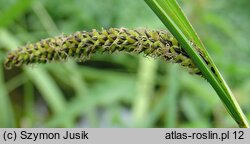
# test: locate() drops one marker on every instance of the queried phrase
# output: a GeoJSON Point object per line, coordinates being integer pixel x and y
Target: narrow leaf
{"type": "Point", "coordinates": [174, 19]}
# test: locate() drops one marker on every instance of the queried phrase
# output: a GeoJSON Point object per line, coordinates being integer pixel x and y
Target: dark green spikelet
{"type": "Point", "coordinates": [81, 45]}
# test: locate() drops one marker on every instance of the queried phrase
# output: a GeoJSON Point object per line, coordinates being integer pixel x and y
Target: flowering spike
{"type": "Point", "coordinates": [81, 45]}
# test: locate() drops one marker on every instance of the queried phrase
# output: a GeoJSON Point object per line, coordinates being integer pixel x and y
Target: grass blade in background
{"type": "Point", "coordinates": [174, 19]}
{"type": "Point", "coordinates": [145, 89]}
{"type": "Point", "coordinates": [172, 95]}
{"type": "Point", "coordinates": [29, 104]}
{"type": "Point", "coordinates": [7, 118]}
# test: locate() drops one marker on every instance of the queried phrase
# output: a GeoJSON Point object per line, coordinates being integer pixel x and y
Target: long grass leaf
{"type": "Point", "coordinates": [174, 19]}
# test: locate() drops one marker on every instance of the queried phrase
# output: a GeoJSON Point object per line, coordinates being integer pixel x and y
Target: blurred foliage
{"type": "Point", "coordinates": [120, 90]}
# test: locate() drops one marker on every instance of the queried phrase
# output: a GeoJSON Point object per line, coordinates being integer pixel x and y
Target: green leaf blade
{"type": "Point", "coordinates": [174, 19]}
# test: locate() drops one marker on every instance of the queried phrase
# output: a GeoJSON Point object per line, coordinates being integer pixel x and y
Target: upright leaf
{"type": "Point", "coordinates": [174, 19]}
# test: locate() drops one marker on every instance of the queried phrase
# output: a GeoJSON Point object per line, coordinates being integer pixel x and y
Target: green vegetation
{"type": "Point", "coordinates": [118, 90]}
{"type": "Point", "coordinates": [82, 45]}
{"type": "Point", "coordinates": [174, 19]}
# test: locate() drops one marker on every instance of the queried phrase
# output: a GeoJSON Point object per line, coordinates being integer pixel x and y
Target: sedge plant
{"type": "Point", "coordinates": [181, 46]}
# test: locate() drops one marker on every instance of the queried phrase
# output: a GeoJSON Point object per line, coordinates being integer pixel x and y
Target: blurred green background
{"type": "Point", "coordinates": [120, 90]}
